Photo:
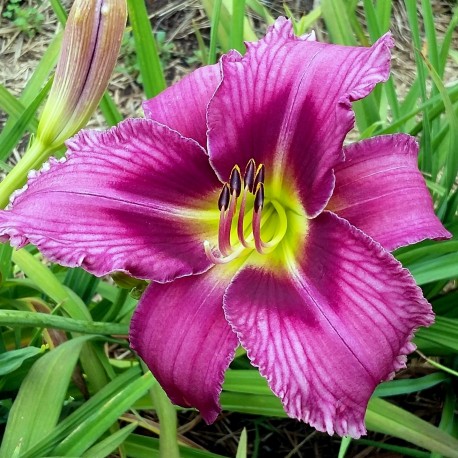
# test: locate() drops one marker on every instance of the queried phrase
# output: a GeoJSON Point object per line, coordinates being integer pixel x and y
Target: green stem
{"type": "Point", "coordinates": [32, 159]}
{"type": "Point", "coordinates": [44, 320]}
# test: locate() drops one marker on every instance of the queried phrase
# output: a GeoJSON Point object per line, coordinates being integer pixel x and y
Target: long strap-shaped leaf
{"type": "Point", "coordinates": [36, 410]}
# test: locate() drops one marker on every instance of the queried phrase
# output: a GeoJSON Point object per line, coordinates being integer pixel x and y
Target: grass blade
{"type": "Point", "coordinates": [66, 426]}
{"type": "Point", "coordinates": [37, 407]}
{"type": "Point", "coordinates": [387, 418]}
{"type": "Point", "coordinates": [9, 139]}
{"type": "Point", "coordinates": [85, 434]}
{"type": "Point", "coordinates": [237, 22]}
{"type": "Point", "coordinates": [215, 15]}
{"type": "Point", "coordinates": [425, 159]}
{"type": "Point", "coordinates": [148, 58]}
{"type": "Point", "coordinates": [110, 444]}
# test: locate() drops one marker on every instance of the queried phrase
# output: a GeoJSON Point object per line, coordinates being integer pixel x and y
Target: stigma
{"type": "Point", "coordinates": [244, 211]}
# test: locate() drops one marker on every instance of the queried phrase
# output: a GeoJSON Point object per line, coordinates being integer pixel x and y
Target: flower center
{"type": "Point", "coordinates": [244, 212]}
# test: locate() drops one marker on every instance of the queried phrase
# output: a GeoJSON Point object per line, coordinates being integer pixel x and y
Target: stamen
{"type": "Point", "coordinates": [258, 204]}
{"type": "Point", "coordinates": [253, 182]}
{"type": "Point", "coordinates": [259, 197]}
{"type": "Point", "coordinates": [240, 228]}
{"type": "Point", "coordinates": [260, 175]}
{"type": "Point", "coordinates": [224, 247]}
{"type": "Point", "coordinates": [248, 178]}
{"type": "Point", "coordinates": [225, 225]}
{"type": "Point", "coordinates": [235, 181]}
{"type": "Point", "coordinates": [224, 197]}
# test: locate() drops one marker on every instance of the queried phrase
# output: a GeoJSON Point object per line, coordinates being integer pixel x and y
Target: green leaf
{"type": "Point", "coordinates": [148, 59]}
{"type": "Point", "coordinates": [86, 433]}
{"type": "Point", "coordinates": [237, 22]}
{"type": "Point", "coordinates": [110, 111]}
{"type": "Point", "coordinates": [9, 139]}
{"type": "Point", "coordinates": [344, 444]}
{"type": "Point", "coordinates": [12, 360]}
{"type": "Point", "coordinates": [105, 447]}
{"type": "Point", "coordinates": [440, 338]}
{"type": "Point", "coordinates": [451, 165]}
{"type": "Point", "coordinates": [214, 14]}
{"type": "Point", "coordinates": [167, 419]}
{"type": "Point", "coordinates": [66, 426]}
{"type": "Point", "coordinates": [148, 447]}
{"type": "Point", "coordinates": [59, 11]}
{"type": "Point", "coordinates": [10, 105]}
{"type": "Point", "coordinates": [50, 285]}
{"type": "Point", "coordinates": [336, 17]}
{"type": "Point", "coordinates": [242, 447]}
{"type": "Point", "coordinates": [445, 48]}
{"type": "Point", "coordinates": [399, 450]}
{"type": "Point", "coordinates": [389, 419]}
{"type": "Point", "coordinates": [426, 153]}
{"type": "Point", "coordinates": [38, 404]}
{"type": "Point", "coordinates": [5, 261]}
{"type": "Point", "coordinates": [405, 386]}
{"type": "Point", "coordinates": [440, 268]}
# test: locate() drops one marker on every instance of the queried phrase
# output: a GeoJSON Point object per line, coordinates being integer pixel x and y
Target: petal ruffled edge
{"type": "Point", "coordinates": [180, 331]}
{"type": "Point", "coordinates": [137, 198]}
{"type": "Point", "coordinates": [289, 101]}
{"type": "Point", "coordinates": [380, 190]}
{"type": "Point", "coordinates": [320, 355]}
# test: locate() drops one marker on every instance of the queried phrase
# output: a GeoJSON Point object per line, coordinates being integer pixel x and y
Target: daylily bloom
{"type": "Point", "coordinates": [256, 226]}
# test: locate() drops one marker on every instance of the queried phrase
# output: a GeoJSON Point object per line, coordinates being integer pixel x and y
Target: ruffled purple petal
{"type": "Point", "coordinates": [180, 332]}
{"type": "Point", "coordinates": [380, 190]}
{"type": "Point", "coordinates": [330, 327]}
{"type": "Point", "coordinates": [286, 104]}
{"type": "Point", "coordinates": [136, 198]}
{"type": "Point", "coordinates": [183, 106]}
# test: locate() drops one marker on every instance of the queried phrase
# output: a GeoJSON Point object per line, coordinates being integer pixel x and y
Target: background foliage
{"type": "Point", "coordinates": [69, 386]}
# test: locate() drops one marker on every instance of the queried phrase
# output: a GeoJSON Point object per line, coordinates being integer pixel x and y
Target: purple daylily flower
{"type": "Point", "coordinates": [256, 226]}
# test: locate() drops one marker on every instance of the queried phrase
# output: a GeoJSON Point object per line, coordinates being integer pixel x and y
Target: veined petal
{"type": "Point", "coordinates": [183, 106]}
{"type": "Point", "coordinates": [180, 332]}
{"type": "Point", "coordinates": [132, 199]}
{"type": "Point", "coordinates": [380, 190]}
{"type": "Point", "coordinates": [330, 327]}
{"type": "Point", "coordinates": [289, 104]}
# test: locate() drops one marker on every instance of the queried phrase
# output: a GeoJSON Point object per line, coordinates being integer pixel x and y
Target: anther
{"type": "Point", "coordinates": [235, 181]}
{"type": "Point", "coordinates": [260, 175]}
{"type": "Point", "coordinates": [224, 198]}
{"type": "Point", "coordinates": [248, 178]}
{"type": "Point", "coordinates": [259, 198]}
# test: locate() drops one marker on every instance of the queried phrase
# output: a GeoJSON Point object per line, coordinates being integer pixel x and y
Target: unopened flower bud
{"type": "Point", "coordinates": [90, 47]}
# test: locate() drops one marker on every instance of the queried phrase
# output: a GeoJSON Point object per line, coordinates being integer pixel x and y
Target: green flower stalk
{"type": "Point", "coordinates": [90, 48]}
